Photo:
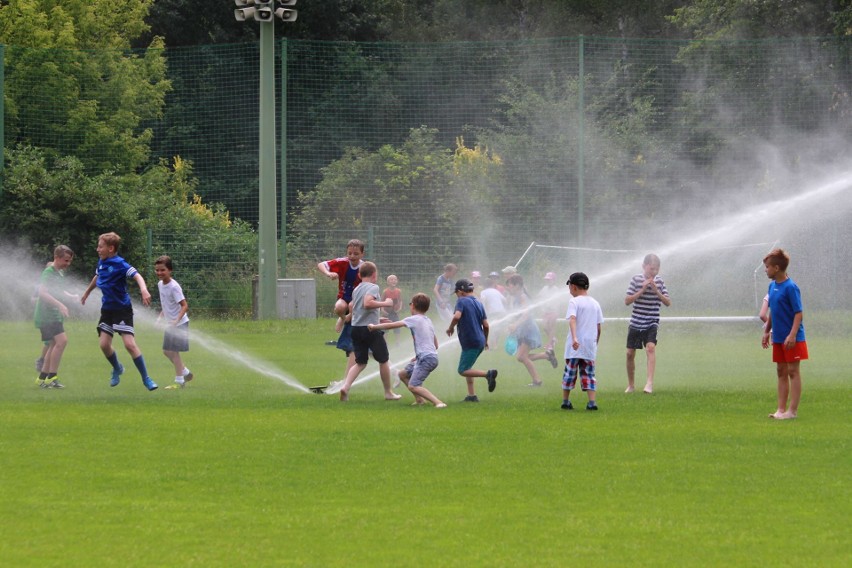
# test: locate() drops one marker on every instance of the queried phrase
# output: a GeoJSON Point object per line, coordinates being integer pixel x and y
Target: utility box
{"type": "Point", "coordinates": [297, 298]}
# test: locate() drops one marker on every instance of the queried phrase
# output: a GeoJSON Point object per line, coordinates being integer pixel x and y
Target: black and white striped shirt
{"type": "Point", "coordinates": [646, 308]}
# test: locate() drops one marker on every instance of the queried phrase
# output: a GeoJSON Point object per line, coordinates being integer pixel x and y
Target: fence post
{"type": "Point", "coordinates": [283, 166]}
{"type": "Point", "coordinates": [581, 144]}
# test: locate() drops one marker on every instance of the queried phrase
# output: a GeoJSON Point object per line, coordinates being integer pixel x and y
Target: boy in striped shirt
{"type": "Point", "coordinates": [646, 292]}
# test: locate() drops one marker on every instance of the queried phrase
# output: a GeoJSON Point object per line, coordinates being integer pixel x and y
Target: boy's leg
{"type": "Point", "coordinates": [651, 353]}
{"type": "Point", "coordinates": [423, 392]}
{"type": "Point", "coordinates": [54, 353]}
{"type": "Point", "coordinates": [384, 374]}
{"type": "Point", "coordinates": [569, 378]}
{"type": "Point", "coordinates": [341, 306]}
{"type": "Point", "coordinates": [783, 377]}
{"type": "Point", "coordinates": [138, 360]}
{"type": "Point", "coordinates": [795, 388]}
{"type": "Point", "coordinates": [353, 373]}
{"type": "Point", "coordinates": [631, 368]}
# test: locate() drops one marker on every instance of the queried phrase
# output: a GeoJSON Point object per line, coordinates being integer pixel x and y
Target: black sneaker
{"type": "Point", "coordinates": [551, 356]}
{"type": "Point", "coordinates": [566, 405]}
{"type": "Point", "coordinates": [591, 406]}
{"type": "Point", "coordinates": [491, 377]}
{"type": "Point", "coordinates": [471, 398]}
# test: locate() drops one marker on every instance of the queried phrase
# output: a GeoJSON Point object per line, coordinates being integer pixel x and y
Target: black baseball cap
{"type": "Point", "coordinates": [464, 285]}
{"type": "Point", "coordinates": [579, 280]}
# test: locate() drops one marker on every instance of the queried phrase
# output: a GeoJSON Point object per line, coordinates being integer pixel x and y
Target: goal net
{"type": "Point", "coordinates": [705, 283]}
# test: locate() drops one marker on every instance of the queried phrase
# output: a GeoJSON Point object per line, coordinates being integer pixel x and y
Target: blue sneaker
{"type": "Point", "coordinates": [149, 384]}
{"type": "Point", "coordinates": [116, 375]}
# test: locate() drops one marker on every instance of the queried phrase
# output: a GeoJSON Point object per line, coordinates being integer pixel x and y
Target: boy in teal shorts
{"type": "Point", "coordinates": [472, 323]}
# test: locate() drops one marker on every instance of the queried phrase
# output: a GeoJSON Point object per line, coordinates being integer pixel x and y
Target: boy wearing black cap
{"type": "Point", "coordinates": [584, 322]}
{"type": "Point", "coordinates": [472, 322]}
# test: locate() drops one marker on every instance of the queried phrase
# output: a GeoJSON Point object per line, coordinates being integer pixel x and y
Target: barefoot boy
{"type": "Point", "coordinates": [116, 310]}
{"type": "Point", "coordinates": [786, 331]}
{"type": "Point", "coordinates": [365, 308]}
{"type": "Point", "coordinates": [646, 292]}
{"type": "Point", "coordinates": [425, 349]}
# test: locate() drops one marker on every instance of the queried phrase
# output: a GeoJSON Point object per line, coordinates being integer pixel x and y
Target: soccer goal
{"type": "Point", "coordinates": [705, 283]}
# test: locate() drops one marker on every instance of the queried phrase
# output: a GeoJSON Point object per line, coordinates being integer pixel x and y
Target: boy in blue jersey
{"type": "Point", "coordinates": [116, 310]}
{"type": "Point", "coordinates": [785, 331]}
{"type": "Point", "coordinates": [472, 322]}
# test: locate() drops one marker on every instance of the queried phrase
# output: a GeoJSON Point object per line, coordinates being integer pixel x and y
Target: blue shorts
{"type": "Point", "coordinates": [420, 368]}
{"type": "Point", "coordinates": [586, 370]}
{"type": "Point", "coordinates": [176, 338]}
{"type": "Point", "coordinates": [638, 338]}
{"type": "Point", "coordinates": [468, 358]}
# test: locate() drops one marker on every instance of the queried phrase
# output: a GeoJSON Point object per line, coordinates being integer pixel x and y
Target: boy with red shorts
{"type": "Point", "coordinates": [787, 333]}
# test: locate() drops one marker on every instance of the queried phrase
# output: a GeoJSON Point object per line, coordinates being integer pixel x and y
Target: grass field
{"type": "Point", "coordinates": [240, 469]}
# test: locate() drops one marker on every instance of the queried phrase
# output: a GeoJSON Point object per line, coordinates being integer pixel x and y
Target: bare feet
{"type": "Point", "coordinates": [392, 396]}
{"type": "Point", "coordinates": [649, 389]}
{"type": "Point", "coordinates": [344, 396]}
{"type": "Point", "coordinates": [440, 405]}
{"type": "Point", "coordinates": [781, 415]}
{"type": "Point", "coordinates": [629, 389]}
{"type": "Point", "coordinates": [417, 403]}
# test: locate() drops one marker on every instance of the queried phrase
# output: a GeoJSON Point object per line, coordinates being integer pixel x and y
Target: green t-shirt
{"type": "Point", "coordinates": [54, 283]}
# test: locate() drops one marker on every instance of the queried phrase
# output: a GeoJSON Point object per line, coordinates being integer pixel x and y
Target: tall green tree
{"type": "Point", "coordinates": [95, 94]}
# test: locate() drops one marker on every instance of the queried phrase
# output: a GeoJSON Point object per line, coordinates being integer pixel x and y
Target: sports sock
{"type": "Point", "coordinates": [50, 376]}
{"type": "Point", "coordinates": [179, 379]}
{"type": "Point", "coordinates": [185, 371]}
{"type": "Point", "coordinates": [42, 376]}
{"type": "Point", "coordinates": [140, 364]}
{"type": "Point", "coordinates": [113, 360]}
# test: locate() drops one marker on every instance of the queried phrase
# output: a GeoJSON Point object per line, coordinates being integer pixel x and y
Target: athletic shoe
{"type": "Point", "coordinates": [188, 377]}
{"type": "Point", "coordinates": [42, 384]}
{"type": "Point", "coordinates": [591, 406]}
{"type": "Point", "coordinates": [174, 386]}
{"type": "Point", "coordinates": [491, 377]}
{"type": "Point", "coordinates": [551, 356]}
{"type": "Point", "coordinates": [116, 375]}
{"type": "Point", "coordinates": [566, 405]}
{"type": "Point", "coordinates": [471, 398]}
{"type": "Point", "coordinates": [55, 384]}
{"type": "Point", "coordinates": [38, 364]}
{"type": "Point", "coordinates": [149, 384]}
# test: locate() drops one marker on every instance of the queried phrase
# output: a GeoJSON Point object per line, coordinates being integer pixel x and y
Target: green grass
{"type": "Point", "coordinates": [242, 470]}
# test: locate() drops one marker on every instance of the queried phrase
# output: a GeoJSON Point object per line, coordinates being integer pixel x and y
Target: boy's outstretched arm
{"type": "Point", "coordinates": [386, 325]}
{"type": "Point", "coordinates": [143, 289]}
{"type": "Point", "coordinates": [89, 289]}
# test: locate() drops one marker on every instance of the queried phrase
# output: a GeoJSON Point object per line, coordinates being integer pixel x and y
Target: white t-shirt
{"type": "Point", "coordinates": [493, 302]}
{"type": "Point", "coordinates": [588, 312]}
{"type": "Point", "coordinates": [171, 295]}
{"type": "Point", "coordinates": [423, 333]}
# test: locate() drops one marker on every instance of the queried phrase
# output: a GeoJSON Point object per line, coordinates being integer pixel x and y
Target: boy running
{"type": "Point", "coordinates": [472, 322]}
{"type": "Point", "coordinates": [174, 308]}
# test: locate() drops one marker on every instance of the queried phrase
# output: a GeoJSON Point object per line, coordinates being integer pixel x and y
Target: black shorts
{"type": "Point", "coordinates": [116, 321]}
{"type": "Point", "coordinates": [638, 338]}
{"type": "Point", "coordinates": [51, 329]}
{"type": "Point", "coordinates": [364, 341]}
{"type": "Point", "coordinates": [176, 338]}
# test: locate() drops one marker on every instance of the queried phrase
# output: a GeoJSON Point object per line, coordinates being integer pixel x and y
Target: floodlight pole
{"type": "Point", "coordinates": [267, 219]}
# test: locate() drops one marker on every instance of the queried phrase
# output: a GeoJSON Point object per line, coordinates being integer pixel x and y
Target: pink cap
{"type": "Point", "coordinates": [475, 274]}
{"type": "Point", "coordinates": [550, 276]}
